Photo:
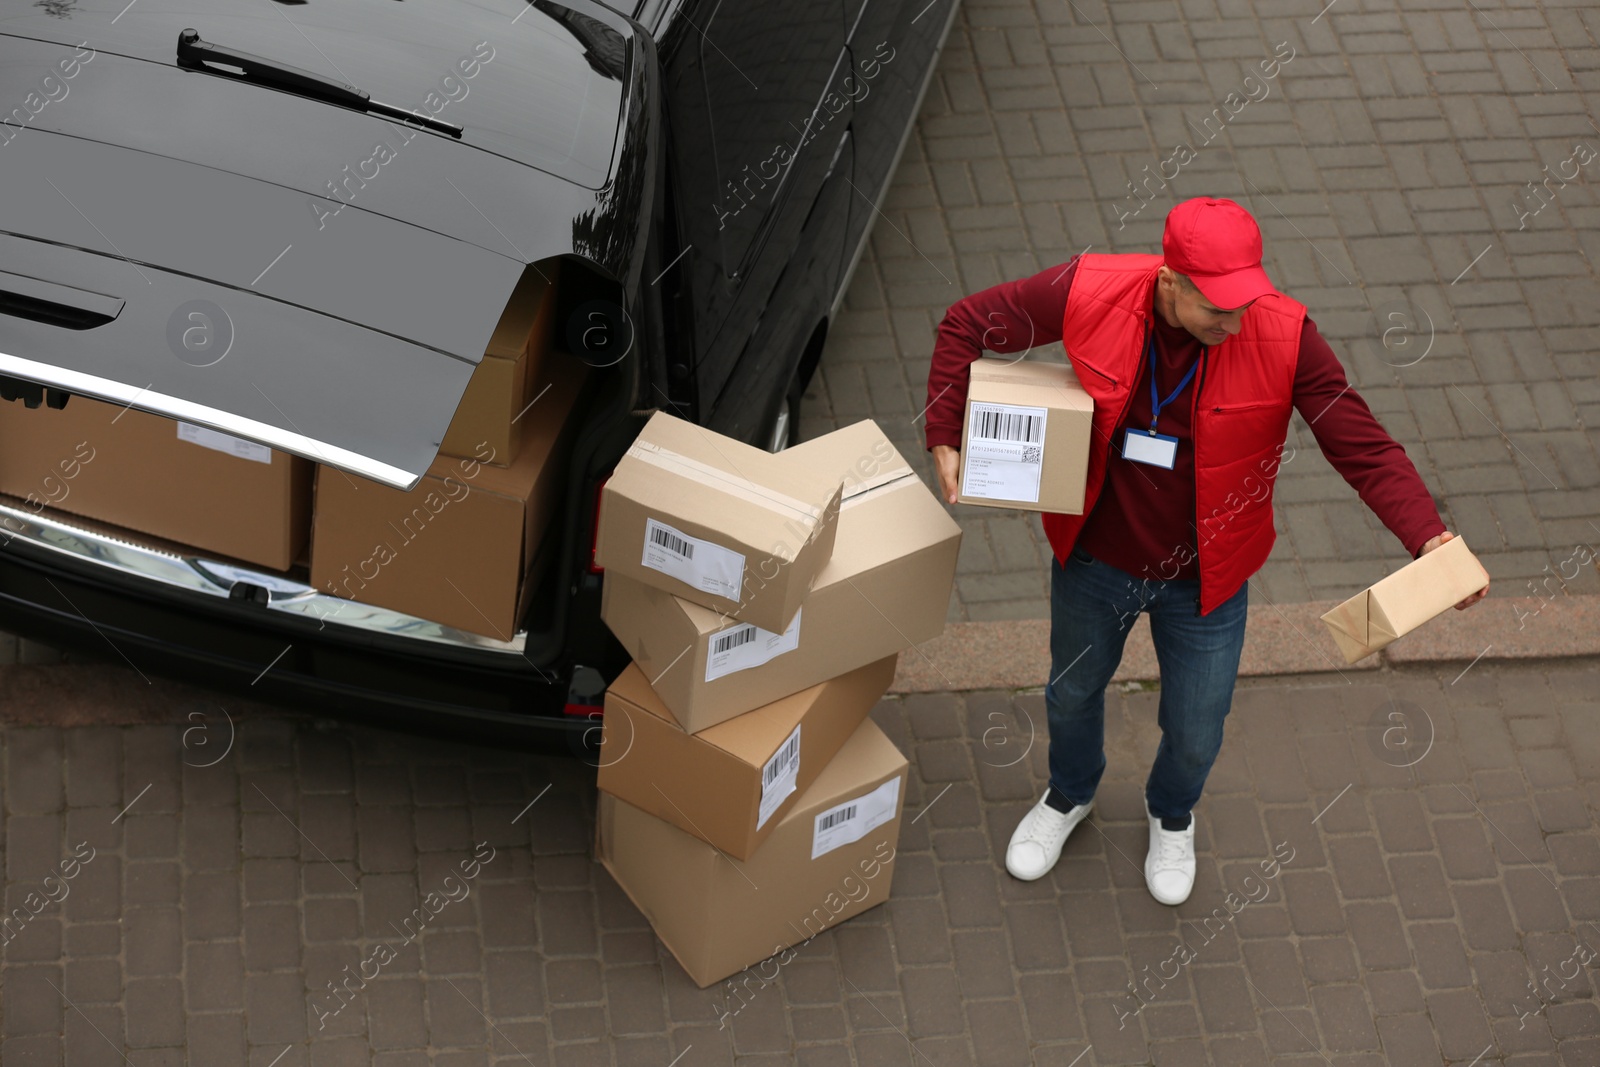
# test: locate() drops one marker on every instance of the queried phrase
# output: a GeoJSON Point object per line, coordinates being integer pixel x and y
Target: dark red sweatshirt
{"type": "Point", "coordinates": [1145, 513]}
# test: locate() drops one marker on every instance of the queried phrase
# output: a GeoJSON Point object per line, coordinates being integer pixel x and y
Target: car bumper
{"type": "Point", "coordinates": [240, 645]}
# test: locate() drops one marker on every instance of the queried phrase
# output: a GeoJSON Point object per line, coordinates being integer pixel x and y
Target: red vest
{"type": "Point", "coordinates": [1241, 403]}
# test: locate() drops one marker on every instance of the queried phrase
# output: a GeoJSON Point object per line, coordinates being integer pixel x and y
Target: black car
{"type": "Point", "coordinates": [707, 171]}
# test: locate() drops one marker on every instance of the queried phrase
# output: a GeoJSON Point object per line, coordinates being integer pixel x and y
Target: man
{"type": "Point", "coordinates": [1178, 506]}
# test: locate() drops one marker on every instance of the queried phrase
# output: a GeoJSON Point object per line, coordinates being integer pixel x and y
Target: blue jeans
{"type": "Point", "coordinates": [1093, 605]}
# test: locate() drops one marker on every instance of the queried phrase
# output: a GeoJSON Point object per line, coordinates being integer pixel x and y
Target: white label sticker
{"type": "Point", "coordinates": [1158, 450]}
{"type": "Point", "coordinates": [845, 823]}
{"type": "Point", "coordinates": [692, 560]}
{"type": "Point", "coordinates": [738, 648]}
{"type": "Point", "coordinates": [778, 777]}
{"type": "Point", "coordinates": [1004, 454]}
{"type": "Point", "coordinates": [206, 437]}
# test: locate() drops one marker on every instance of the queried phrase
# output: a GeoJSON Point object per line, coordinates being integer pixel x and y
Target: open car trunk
{"type": "Point", "coordinates": [43, 516]}
{"type": "Point", "coordinates": [277, 267]}
{"type": "Point", "coordinates": [299, 274]}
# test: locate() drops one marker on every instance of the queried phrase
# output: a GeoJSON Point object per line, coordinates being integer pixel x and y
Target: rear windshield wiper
{"type": "Point", "coordinates": [195, 54]}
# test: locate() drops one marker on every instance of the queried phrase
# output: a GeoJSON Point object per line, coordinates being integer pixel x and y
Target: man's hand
{"type": "Point", "coordinates": [1433, 543]}
{"type": "Point", "coordinates": [947, 461]}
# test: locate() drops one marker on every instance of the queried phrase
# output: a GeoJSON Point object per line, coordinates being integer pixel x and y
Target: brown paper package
{"type": "Point", "coordinates": [1398, 604]}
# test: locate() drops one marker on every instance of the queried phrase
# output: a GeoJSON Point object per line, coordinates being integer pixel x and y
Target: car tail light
{"type": "Point", "coordinates": [594, 530]}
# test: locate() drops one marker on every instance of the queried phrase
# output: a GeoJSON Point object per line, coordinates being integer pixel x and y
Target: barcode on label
{"type": "Point", "coordinates": [695, 561]}
{"type": "Point", "coordinates": [787, 755]}
{"type": "Point", "coordinates": [733, 639]}
{"type": "Point", "coordinates": [745, 645]}
{"type": "Point", "coordinates": [672, 543]}
{"type": "Point", "coordinates": [845, 823]}
{"type": "Point", "coordinates": [780, 777]}
{"type": "Point", "coordinates": [1008, 426]}
{"type": "Point", "coordinates": [829, 821]}
{"type": "Point", "coordinates": [1003, 452]}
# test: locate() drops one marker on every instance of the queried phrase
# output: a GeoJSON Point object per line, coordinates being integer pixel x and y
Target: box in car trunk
{"type": "Point", "coordinates": [499, 390]}
{"type": "Point", "coordinates": [149, 473]}
{"type": "Point", "coordinates": [456, 549]}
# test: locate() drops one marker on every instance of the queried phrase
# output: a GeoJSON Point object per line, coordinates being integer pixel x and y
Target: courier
{"type": "Point", "coordinates": [1194, 364]}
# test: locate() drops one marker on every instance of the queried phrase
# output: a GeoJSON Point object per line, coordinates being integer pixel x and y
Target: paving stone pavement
{"type": "Point", "coordinates": [1437, 913]}
{"type": "Point", "coordinates": [1402, 869]}
{"type": "Point", "coordinates": [1389, 162]}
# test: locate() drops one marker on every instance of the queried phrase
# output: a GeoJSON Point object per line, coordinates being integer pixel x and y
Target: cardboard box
{"type": "Point", "coordinates": [885, 588]}
{"type": "Point", "coordinates": [1025, 438]}
{"type": "Point", "coordinates": [499, 390]}
{"type": "Point", "coordinates": [175, 480]}
{"type": "Point", "coordinates": [457, 549]}
{"type": "Point", "coordinates": [718, 915]}
{"type": "Point", "coordinates": [729, 526]}
{"type": "Point", "coordinates": [1398, 604]}
{"type": "Point", "coordinates": [726, 784]}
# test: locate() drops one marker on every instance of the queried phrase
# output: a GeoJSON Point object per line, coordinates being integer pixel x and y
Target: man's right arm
{"type": "Point", "coordinates": [1010, 317]}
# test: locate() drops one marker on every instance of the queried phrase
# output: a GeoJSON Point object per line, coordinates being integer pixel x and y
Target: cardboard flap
{"type": "Point", "coordinates": [1349, 647]}
{"type": "Point", "coordinates": [1033, 375]}
{"type": "Point", "coordinates": [1356, 629]}
{"type": "Point", "coordinates": [1350, 618]}
{"type": "Point", "coordinates": [905, 483]}
{"type": "Point", "coordinates": [879, 483]}
{"type": "Point", "coordinates": [1379, 629]}
{"type": "Point", "coordinates": [743, 461]}
{"type": "Point", "coordinates": [727, 482]}
{"type": "Point", "coordinates": [905, 516]}
{"type": "Point", "coordinates": [859, 456]}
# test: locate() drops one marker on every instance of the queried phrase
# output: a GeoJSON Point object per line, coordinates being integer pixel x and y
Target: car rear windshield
{"type": "Point", "coordinates": [536, 82]}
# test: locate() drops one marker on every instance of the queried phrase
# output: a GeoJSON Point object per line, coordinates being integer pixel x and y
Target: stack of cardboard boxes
{"type": "Point", "coordinates": [747, 801]}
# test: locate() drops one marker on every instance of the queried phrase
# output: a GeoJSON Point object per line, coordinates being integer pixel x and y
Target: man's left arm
{"type": "Point", "coordinates": [1363, 452]}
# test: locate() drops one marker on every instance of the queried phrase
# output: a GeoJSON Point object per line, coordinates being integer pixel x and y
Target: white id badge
{"type": "Point", "coordinates": [1156, 449]}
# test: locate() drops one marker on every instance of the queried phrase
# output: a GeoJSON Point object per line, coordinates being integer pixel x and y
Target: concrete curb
{"type": "Point", "coordinates": [1279, 639]}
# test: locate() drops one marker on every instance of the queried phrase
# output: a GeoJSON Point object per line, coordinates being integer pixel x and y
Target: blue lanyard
{"type": "Point", "coordinates": [1155, 404]}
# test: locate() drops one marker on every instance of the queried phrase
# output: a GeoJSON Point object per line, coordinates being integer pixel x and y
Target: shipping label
{"type": "Point", "coordinates": [738, 648]}
{"type": "Point", "coordinates": [849, 822]}
{"type": "Point", "coordinates": [1004, 454]}
{"type": "Point", "coordinates": [693, 561]}
{"type": "Point", "coordinates": [206, 437]}
{"type": "Point", "coordinates": [778, 777]}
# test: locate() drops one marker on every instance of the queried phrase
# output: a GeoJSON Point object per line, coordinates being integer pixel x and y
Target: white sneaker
{"type": "Point", "coordinates": [1169, 865]}
{"type": "Point", "coordinates": [1036, 842]}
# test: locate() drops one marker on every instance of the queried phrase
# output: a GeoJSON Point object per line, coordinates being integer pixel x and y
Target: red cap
{"type": "Point", "coordinates": [1217, 244]}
